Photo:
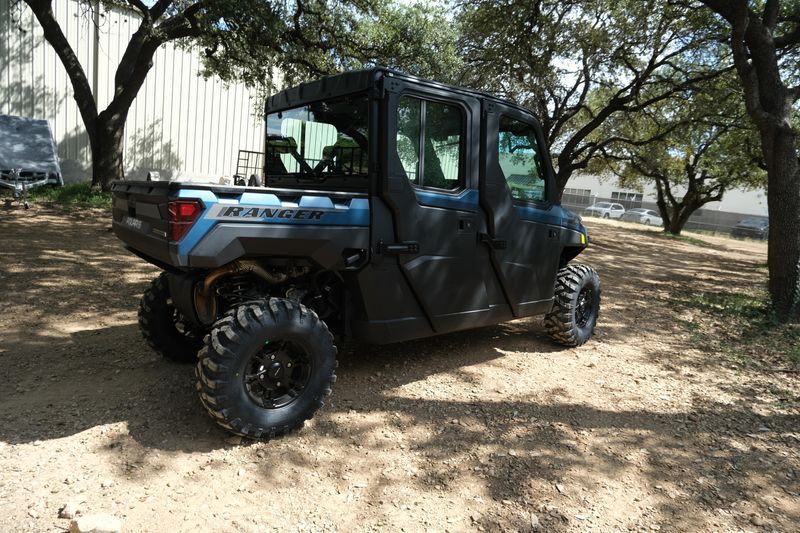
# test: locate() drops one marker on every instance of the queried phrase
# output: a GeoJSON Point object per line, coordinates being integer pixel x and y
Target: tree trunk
{"type": "Point", "coordinates": [676, 214]}
{"type": "Point", "coordinates": [783, 200]}
{"type": "Point", "coordinates": [664, 210]}
{"type": "Point", "coordinates": [680, 216]}
{"type": "Point", "coordinates": [769, 103]}
{"type": "Point", "coordinates": [106, 143]}
{"type": "Point", "coordinates": [106, 129]}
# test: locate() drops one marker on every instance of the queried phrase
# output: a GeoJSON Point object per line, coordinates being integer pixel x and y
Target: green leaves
{"type": "Point", "coordinates": [269, 43]}
{"type": "Point", "coordinates": [701, 132]}
{"type": "Point", "coordinates": [581, 63]}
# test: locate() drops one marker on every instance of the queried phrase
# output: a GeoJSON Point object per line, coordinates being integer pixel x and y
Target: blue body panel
{"type": "Point", "coordinates": [466, 200]}
{"type": "Point", "coordinates": [347, 212]}
{"type": "Point", "coordinates": [555, 215]}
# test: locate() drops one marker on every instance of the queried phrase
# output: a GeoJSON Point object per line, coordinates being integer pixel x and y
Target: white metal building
{"type": "Point", "coordinates": [752, 202]}
{"type": "Point", "coordinates": [179, 120]}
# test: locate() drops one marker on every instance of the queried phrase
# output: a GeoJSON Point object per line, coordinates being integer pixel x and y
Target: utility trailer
{"type": "Point", "coordinates": [28, 156]}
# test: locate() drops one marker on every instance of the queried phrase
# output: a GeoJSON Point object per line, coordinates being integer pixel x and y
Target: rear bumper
{"type": "Point", "coordinates": [152, 248]}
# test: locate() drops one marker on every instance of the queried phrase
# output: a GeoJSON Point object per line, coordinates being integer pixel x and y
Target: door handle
{"type": "Point", "coordinates": [494, 244]}
{"type": "Point", "coordinates": [465, 225]}
{"type": "Point", "coordinates": [398, 248]}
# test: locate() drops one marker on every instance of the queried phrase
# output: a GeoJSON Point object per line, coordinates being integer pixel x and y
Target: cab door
{"type": "Point", "coordinates": [430, 186]}
{"type": "Point", "coordinates": [517, 190]}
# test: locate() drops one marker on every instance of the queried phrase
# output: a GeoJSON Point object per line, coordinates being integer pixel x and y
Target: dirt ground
{"type": "Point", "coordinates": [494, 429]}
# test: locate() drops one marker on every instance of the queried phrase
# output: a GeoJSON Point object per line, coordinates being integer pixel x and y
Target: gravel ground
{"type": "Point", "coordinates": [493, 429]}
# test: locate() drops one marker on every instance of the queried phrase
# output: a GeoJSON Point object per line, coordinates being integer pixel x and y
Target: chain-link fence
{"type": "Point", "coordinates": [627, 208]}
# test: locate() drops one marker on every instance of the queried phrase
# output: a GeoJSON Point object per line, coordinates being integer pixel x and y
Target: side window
{"type": "Point", "coordinates": [434, 130]}
{"type": "Point", "coordinates": [409, 120]}
{"type": "Point", "coordinates": [520, 160]}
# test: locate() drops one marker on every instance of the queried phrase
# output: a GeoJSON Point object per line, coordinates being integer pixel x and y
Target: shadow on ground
{"type": "Point", "coordinates": [62, 381]}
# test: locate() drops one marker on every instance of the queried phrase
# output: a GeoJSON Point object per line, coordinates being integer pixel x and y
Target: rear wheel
{"type": "Point", "coordinates": [266, 368]}
{"type": "Point", "coordinates": [164, 328]}
{"type": "Point", "coordinates": [606, 215]}
{"type": "Point", "coordinates": [254, 181]}
{"type": "Point", "coordinates": [576, 305]}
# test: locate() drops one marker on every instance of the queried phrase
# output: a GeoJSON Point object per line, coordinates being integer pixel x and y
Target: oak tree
{"type": "Point", "coordinates": [693, 148]}
{"type": "Point", "coordinates": [248, 41]}
{"type": "Point", "coordinates": [764, 38]}
{"type": "Point", "coordinates": [577, 63]}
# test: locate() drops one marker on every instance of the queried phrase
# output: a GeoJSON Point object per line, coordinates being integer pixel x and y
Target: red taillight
{"type": "Point", "coordinates": [182, 214]}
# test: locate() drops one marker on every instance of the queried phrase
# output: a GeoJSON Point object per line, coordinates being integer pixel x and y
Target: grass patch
{"type": "Point", "coordinates": [740, 325]}
{"type": "Point", "coordinates": [74, 194]}
{"type": "Point", "coordinates": [669, 236]}
{"type": "Point", "coordinates": [682, 238]}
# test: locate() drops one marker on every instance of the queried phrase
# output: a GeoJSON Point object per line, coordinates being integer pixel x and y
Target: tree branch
{"type": "Point", "coordinates": [87, 106]}
{"type": "Point", "coordinates": [771, 10]}
{"type": "Point", "coordinates": [140, 7]}
{"type": "Point", "coordinates": [159, 8]}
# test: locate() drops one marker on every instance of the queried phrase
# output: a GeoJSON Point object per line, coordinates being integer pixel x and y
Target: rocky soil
{"type": "Point", "coordinates": [641, 429]}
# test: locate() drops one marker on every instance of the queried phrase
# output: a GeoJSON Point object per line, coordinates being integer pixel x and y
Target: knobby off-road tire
{"type": "Point", "coordinates": [164, 328]}
{"type": "Point", "coordinates": [266, 368]}
{"type": "Point", "coordinates": [576, 305]}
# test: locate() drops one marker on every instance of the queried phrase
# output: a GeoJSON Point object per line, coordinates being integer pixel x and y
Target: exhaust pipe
{"type": "Point", "coordinates": [205, 301]}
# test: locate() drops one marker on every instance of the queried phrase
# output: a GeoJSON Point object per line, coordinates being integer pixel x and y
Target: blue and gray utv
{"type": "Point", "coordinates": [389, 208]}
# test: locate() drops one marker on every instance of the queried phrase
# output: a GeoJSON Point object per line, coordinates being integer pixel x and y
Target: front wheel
{"type": "Point", "coordinates": [576, 305]}
{"type": "Point", "coordinates": [266, 368]}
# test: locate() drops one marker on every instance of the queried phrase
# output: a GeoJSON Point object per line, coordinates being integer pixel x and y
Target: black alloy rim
{"type": "Point", "coordinates": [277, 374]}
{"type": "Point", "coordinates": [585, 304]}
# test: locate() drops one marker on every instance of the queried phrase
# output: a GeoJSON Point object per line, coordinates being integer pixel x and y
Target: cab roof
{"type": "Point", "coordinates": [356, 81]}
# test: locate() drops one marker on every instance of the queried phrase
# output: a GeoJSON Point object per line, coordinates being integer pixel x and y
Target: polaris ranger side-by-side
{"type": "Point", "coordinates": [392, 208]}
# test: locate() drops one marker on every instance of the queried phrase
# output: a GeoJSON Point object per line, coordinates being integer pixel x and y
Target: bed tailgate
{"type": "Point", "coordinates": [141, 220]}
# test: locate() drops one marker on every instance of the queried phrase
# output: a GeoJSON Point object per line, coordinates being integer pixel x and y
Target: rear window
{"type": "Point", "coordinates": [323, 139]}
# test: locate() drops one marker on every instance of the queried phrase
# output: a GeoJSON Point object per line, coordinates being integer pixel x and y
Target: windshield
{"type": "Point", "coordinates": [319, 140]}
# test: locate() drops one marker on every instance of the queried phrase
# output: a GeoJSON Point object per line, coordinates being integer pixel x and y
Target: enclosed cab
{"type": "Point", "coordinates": [392, 208]}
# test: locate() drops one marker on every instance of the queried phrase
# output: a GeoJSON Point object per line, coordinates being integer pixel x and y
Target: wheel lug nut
{"type": "Point", "coordinates": [278, 384]}
{"type": "Point", "coordinates": [272, 356]}
{"type": "Point", "coordinates": [288, 365]}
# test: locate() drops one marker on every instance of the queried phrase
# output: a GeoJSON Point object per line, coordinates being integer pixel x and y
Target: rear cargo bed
{"type": "Point", "coordinates": [233, 220]}
{"type": "Point", "coordinates": [141, 219]}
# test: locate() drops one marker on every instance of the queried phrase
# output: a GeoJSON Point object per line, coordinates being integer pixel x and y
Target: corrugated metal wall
{"type": "Point", "coordinates": [178, 122]}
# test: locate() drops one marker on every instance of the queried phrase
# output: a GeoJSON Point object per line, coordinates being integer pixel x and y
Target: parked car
{"type": "Point", "coordinates": [642, 216]}
{"type": "Point", "coordinates": [755, 228]}
{"type": "Point", "coordinates": [605, 210]}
